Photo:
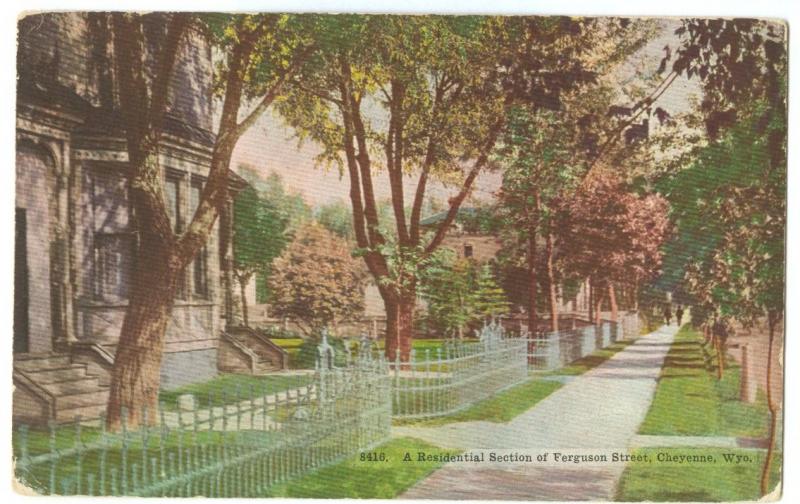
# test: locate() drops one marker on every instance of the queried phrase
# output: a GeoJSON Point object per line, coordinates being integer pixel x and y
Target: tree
{"type": "Point", "coordinates": [610, 234]}
{"type": "Point", "coordinates": [490, 300]}
{"type": "Point", "coordinates": [742, 64]}
{"type": "Point", "coordinates": [425, 96]}
{"type": "Point", "coordinates": [316, 281]}
{"type": "Point", "coordinates": [459, 292]}
{"type": "Point", "coordinates": [262, 52]}
{"type": "Point", "coordinates": [739, 271]}
{"type": "Point", "coordinates": [538, 165]}
{"type": "Point", "coordinates": [547, 153]}
{"type": "Point", "coordinates": [335, 217]}
{"type": "Point", "coordinates": [259, 236]}
{"type": "Point", "coordinates": [448, 287]}
{"type": "Point", "coordinates": [290, 207]}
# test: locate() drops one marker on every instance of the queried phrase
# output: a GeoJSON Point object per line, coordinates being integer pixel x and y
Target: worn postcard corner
{"type": "Point", "coordinates": [548, 262]}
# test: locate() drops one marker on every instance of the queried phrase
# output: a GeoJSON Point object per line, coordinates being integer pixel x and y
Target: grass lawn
{"type": "Point", "coordinates": [211, 392]}
{"type": "Point", "coordinates": [502, 407]}
{"type": "Point", "coordinates": [592, 360]}
{"type": "Point", "coordinates": [715, 482]}
{"type": "Point", "coordinates": [287, 343]}
{"type": "Point", "coordinates": [506, 405]}
{"type": "Point", "coordinates": [356, 479]}
{"type": "Point", "coordinates": [691, 401]}
{"type": "Point", "coordinates": [424, 348]}
{"type": "Point", "coordinates": [67, 466]}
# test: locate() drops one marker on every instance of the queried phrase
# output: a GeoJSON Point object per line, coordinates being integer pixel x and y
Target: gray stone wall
{"type": "Point", "coordinates": [34, 181]}
{"type": "Point", "coordinates": [69, 48]}
{"type": "Point", "coordinates": [182, 368]}
{"type": "Point", "coordinates": [57, 45]}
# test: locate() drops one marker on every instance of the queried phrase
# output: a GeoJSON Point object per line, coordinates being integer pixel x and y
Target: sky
{"type": "Point", "coordinates": [270, 146]}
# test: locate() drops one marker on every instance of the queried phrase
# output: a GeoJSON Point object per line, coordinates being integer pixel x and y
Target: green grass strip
{"type": "Point", "coordinates": [695, 482]}
{"type": "Point", "coordinates": [690, 401]}
{"type": "Point", "coordinates": [228, 384]}
{"type": "Point", "coordinates": [355, 478]}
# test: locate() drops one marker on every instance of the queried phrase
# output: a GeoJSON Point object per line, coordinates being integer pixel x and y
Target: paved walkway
{"type": "Point", "coordinates": [600, 411]}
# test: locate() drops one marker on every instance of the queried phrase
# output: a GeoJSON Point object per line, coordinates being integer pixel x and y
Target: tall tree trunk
{"type": "Point", "coordinates": [612, 296]}
{"type": "Point", "coordinates": [771, 406]}
{"type": "Point", "coordinates": [720, 356]}
{"type": "Point", "coordinates": [533, 280]}
{"type": "Point", "coordinates": [136, 375]}
{"type": "Point", "coordinates": [533, 283]}
{"type": "Point", "coordinates": [399, 327]}
{"type": "Point", "coordinates": [551, 280]}
{"type": "Point", "coordinates": [161, 255]}
{"type": "Point", "coordinates": [598, 307]}
{"type": "Point", "coordinates": [243, 292]}
{"type": "Point", "coordinates": [226, 254]}
{"type": "Point", "coordinates": [591, 299]}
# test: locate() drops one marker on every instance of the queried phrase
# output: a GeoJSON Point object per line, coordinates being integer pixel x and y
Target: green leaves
{"type": "Point", "coordinates": [259, 233]}
{"type": "Point", "coordinates": [316, 281]}
{"type": "Point", "coordinates": [459, 293]}
{"type": "Point", "coordinates": [730, 208]}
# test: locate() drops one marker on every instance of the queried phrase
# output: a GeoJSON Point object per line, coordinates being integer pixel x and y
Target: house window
{"type": "Point", "coordinates": [112, 242]}
{"type": "Point", "coordinates": [112, 261]}
{"type": "Point", "coordinates": [172, 196]}
{"type": "Point", "coordinates": [467, 250]}
{"type": "Point", "coordinates": [200, 263]}
{"type": "Point", "coordinates": [201, 274]}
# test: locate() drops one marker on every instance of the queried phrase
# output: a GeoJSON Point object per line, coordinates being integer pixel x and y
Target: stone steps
{"type": "Point", "coordinates": [41, 362]}
{"type": "Point", "coordinates": [266, 358]}
{"type": "Point", "coordinates": [67, 386]}
{"type": "Point", "coordinates": [57, 375]}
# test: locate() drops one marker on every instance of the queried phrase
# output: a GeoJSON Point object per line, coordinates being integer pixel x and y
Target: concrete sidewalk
{"type": "Point", "coordinates": [599, 410]}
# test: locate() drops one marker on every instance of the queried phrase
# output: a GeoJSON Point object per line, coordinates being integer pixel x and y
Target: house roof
{"type": "Point", "coordinates": [440, 217]}
{"type": "Point", "coordinates": [51, 94]}
{"type": "Point", "coordinates": [110, 123]}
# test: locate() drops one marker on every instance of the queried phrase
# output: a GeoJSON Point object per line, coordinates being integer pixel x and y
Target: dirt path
{"type": "Point", "coordinates": [598, 412]}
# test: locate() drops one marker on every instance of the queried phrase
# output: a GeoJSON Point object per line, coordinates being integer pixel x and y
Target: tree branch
{"type": "Point", "coordinates": [319, 94]}
{"type": "Point", "coordinates": [362, 157]}
{"type": "Point", "coordinates": [455, 202]}
{"type": "Point", "coordinates": [394, 160]}
{"type": "Point", "coordinates": [165, 68]}
{"type": "Point", "coordinates": [419, 195]}
{"type": "Point", "coordinates": [273, 92]}
{"type": "Point", "coordinates": [650, 99]}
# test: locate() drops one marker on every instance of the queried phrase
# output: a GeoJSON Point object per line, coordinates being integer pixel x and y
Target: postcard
{"type": "Point", "coordinates": [399, 256]}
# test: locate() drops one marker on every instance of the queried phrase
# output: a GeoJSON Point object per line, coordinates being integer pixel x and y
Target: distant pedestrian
{"type": "Point", "coordinates": [667, 315]}
{"type": "Point", "coordinates": [679, 315]}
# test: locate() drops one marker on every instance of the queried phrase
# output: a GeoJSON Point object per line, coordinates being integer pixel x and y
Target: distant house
{"type": "Point", "coordinates": [470, 235]}
{"type": "Point", "coordinates": [75, 231]}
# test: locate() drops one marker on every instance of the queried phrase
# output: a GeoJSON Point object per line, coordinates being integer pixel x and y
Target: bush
{"type": "Point", "coordinates": [276, 332]}
{"type": "Point", "coordinates": [307, 355]}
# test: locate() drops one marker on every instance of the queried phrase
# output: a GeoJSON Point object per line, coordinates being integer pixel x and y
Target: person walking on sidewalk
{"type": "Point", "coordinates": [667, 314]}
{"type": "Point", "coordinates": [679, 315]}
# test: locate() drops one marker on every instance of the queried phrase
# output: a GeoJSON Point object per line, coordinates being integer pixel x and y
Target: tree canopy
{"type": "Point", "coordinates": [315, 281]}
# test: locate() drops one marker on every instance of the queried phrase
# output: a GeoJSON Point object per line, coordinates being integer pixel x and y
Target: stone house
{"type": "Point", "coordinates": [467, 239]}
{"type": "Point", "coordinates": [470, 239]}
{"type": "Point", "coordinates": [75, 230]}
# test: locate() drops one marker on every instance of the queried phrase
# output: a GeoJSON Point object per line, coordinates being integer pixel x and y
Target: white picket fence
{"type": "Point", "coordinates": [242, 447]}
{"type": "Point", "coordinates": [236, 450]}
{"type": "Point", "coordinates": [458, 375]}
